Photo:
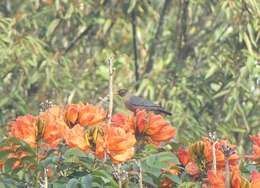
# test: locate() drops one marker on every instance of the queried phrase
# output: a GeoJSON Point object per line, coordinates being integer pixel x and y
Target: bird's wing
{"type": "Point", "coordinates": [141, 102]}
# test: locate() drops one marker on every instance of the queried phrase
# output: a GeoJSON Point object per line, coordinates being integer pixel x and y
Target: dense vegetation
{"type": "Point", "coordinates": [199, 59]}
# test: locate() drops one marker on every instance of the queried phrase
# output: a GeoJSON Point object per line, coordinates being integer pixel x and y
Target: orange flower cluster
{"type": "Point", "coordinates": [237, 181]}
{"type": "Point", "coordinates": [84, 115]}
{"type": "Point", "coordinates": [217, 180]}
{"type": "Point", "coordinates": [146, 125]}
{"type": "Point", "coordinates": [83, 126]}
{"type": "Point", "coordinates": [233, 159]}
{"type": "Point", "coordinates": [197, 161]}
{"type": "Point", "coordinates": [198, 158]}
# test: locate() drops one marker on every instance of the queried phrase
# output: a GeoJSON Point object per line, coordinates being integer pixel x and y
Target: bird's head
{"type": "Point", "coordinates": [122, 92]}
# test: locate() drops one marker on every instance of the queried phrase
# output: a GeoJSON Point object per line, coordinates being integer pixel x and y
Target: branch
{"type": "Point", "coordinates": [133, 17]}
{"type": "Point", "coordinates": [182, 32]}
{"type": "Point", "coordinates": [45, 178]}
{"type": "Point", "coordinates": [156, 39]}
{"type": "Point", "coordinates": [138, 162]}
{"type": "Point", "coordinates": [213, 140]}
{"type": "Point", "coordinates": [214, 160]}
{"type": "Point", "coordinates": [227, 151]}
{"type": "Point", "coordinates": [87, 31]}
{"type": "Point", "coordinates": [76, 39]}
{"type": "Point", "coordinates": [110, 63]}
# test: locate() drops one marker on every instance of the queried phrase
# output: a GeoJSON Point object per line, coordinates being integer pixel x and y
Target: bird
{"type": "Point", "coordinates": [134, 103]}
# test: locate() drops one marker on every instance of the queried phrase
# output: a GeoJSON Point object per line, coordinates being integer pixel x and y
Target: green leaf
{"type": "Point", "coordinates": [23, 145]}
{"type": "Point", "coordinates": [52, 27]}
{"type": "Point", "coordinates": [132, 4]}
{"type": "Point", "coordinates": [221, 93]}
{"type": "Point", "coordinates": [86, 181]}
{"type": "Point", "coordinates": [9, 165]}
{"type": "Point", "coordinates": [73, 183]}
{"type": "Point", "coordinates": [74, 152]}
{"type": "Point", "coordinates": [149, 180]}
{"type": "Point", "coordinates": [4, 154]}
{"type": "Point", "coordinates": [213, 68]}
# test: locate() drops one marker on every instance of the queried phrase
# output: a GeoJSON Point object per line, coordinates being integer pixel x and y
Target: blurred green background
{"type": "Point", "coordinates": [199, 59]}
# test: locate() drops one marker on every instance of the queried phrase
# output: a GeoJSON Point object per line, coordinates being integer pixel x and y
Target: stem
{"type": "Point", "coordinates": [110, 63]}
{"type": "Point", "coordinates": [140, 174]}
{"type": "Point", "coordinates": [45, 178]}
{"type": "Point", "coordinates": [227, 173]}
{"type": "Point", "coordinates": [214, 161]}
{"type": "Point", "coordinates": [37, 163]}
{"type": "Point", "coordinates": [119, 178]}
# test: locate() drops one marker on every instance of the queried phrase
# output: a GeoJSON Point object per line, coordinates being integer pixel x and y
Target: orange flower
{"type": "Point", "coordinates": [255, 179]}
{"type": "Point", "coordinates": [52, 126]}
{"type": "Point", "coordinates": [72, 113]}
{"type": "Point", "coordinates": [120, 144]}
{"type": "Point", "coordinates": [123, 121]}
{"type": "Point", "coordinates": [142, 121]}
{"type": "Point", "coordinates": [256, 148]}
{"type": "Point", "coordinates": [256, 153]}
{"type": "Point", "coordinates": [24, 128]}
{"type": "Point", "coordinates": [216, 180]}
{"type": "Point", "coordinates": [235, 177]}
{"type": "Point", "coordinates": [154, 126]}
{"type": "Point", "coordinates": [100, 147]}
{"type": "Point", "coordinates": [184, 155]}
{"type": "Point", "coordinates": [90, 115]}
{"type": "Point", "coordinates": [256, 139]}
{"type": "Point", "coordinates": [75, 138]}
{"type": "Point", "coordinates": [192, 169]}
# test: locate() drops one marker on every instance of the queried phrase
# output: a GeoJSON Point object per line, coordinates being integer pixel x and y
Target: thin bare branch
{"type": "Point", "coordinates": [133, 17]}
{"type": "Point", "coordinates": [140, 175]}
{"type": "Point", "coordinates": [156, 40]}
{"type": "Point", "coordinates": [45, 178]}
{"type": "Point", "coordinates": [110, 110]}
{"type": "Point", "coordinates": [72, 44]}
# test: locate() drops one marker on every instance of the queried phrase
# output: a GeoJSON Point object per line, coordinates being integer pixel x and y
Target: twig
{"type": "Point", "coordinates": [133, 17]}
{"type": "Point", "coordinates": [75, 40]}
{"type": "Point", "coordinates": [140, 174]}
{"type": "Point", "coordinates": [182, 31]}
{"type": "Point", "coordinates": [45, 178]}
{"type": "Point", "coordinates": [214, 160]}
{"type": "Point", "coordinates": [227, 153]}
{"type": "Point", "coordinates": [156, 39]}
{"type": "Point", "coordinates": [213, 139]}
{"type": "Point", "coordinates": [90, 31]}
{"type": "Point", "coordinates": [117, 174]}
{"type": "Point", "coordinates": [110, 110]}
{"type": "Point", "coordinates": [227, 173]}
{"type": "Point", "coordinates": [119, 179]}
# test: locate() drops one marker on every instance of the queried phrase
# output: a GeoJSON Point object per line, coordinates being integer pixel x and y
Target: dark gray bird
{"type": "Point", "coordinates": [133, 103]}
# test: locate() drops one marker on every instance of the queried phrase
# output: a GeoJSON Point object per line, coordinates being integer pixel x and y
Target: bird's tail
{"type": "Point", "coordinates": [161, 110]}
